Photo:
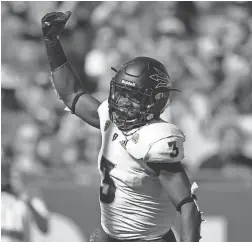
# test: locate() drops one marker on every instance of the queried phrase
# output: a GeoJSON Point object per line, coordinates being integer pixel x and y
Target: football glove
{"type": "Point", "coordinates": [54, 23]}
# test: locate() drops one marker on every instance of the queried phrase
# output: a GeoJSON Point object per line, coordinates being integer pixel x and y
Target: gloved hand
{"type": "Point", "coordinates": [53, 24]}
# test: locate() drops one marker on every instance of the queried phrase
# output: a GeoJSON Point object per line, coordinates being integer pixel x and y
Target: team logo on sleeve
{"type": "Point", "coordinates": [115, 136]}
{"type": "Point", "coordinates": [107, 124]}
{"type": "Point", "coordinates": [135, 138]}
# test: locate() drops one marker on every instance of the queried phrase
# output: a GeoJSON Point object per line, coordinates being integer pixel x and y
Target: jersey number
{"type": "Point", "coordinates": [175, 150]}
{"type": "Point", "coordinates": [107, 189]}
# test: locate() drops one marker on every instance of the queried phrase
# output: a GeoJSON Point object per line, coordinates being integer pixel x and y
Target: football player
{"type": "Point", "coordinates": [16, 208]}
{"type": "Point", "coordinates": [143, 182]}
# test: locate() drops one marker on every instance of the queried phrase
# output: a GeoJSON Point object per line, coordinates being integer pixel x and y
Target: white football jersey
{"type": "Point", "coordinates": [13, 213]}
{"type": "Point", "coordinates": [133, 202]}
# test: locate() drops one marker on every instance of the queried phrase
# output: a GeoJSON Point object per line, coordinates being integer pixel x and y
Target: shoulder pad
{"type": "Point", "coordinates": [155, 133]}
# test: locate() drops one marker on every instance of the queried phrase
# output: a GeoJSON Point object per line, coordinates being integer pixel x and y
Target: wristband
{"type": "Point", "coordinates": [55, 53]}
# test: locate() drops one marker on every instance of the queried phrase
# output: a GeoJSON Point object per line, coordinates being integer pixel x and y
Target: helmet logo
{"type": "Point", "coordinates": [128, 83]}
{"type": "Point", "coordinates": [162, 79]}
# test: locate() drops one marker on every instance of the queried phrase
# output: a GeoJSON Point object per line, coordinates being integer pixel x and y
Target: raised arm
{"type": "Point", "coordinates": [64, 79]}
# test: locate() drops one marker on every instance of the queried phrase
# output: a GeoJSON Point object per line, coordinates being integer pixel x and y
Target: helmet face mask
{"type": "Point", "coordinates": [137, 95]}
{"type": "Point", "coordinates": [127, 105]}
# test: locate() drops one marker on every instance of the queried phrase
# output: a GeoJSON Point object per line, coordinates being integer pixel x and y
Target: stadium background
{"type": "Point", "coordinates": [206, 47]}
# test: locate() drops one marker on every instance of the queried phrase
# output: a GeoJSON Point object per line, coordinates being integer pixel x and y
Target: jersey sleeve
{"type": "Point", "coordinates": [103, 114]}
{"type": "Point", "coordinates": [157, 142]}
{"type": "Point", "coordinates": [22, 208]}
{"type": "Point", "coordinates": [167, 150]}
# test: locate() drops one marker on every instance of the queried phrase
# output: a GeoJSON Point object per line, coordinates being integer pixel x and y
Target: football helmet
{"type": "Point", "coordinates": [139, 92]}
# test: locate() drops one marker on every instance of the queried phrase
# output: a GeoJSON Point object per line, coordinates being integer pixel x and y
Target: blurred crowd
{"type": "Point", "coordinates": [206, 47]}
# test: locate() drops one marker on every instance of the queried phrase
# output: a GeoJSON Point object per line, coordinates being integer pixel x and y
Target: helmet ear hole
{"type": "Point", "coordinates": [159, 96]}
{"type": "Point", "coordinates": [161, 101]}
